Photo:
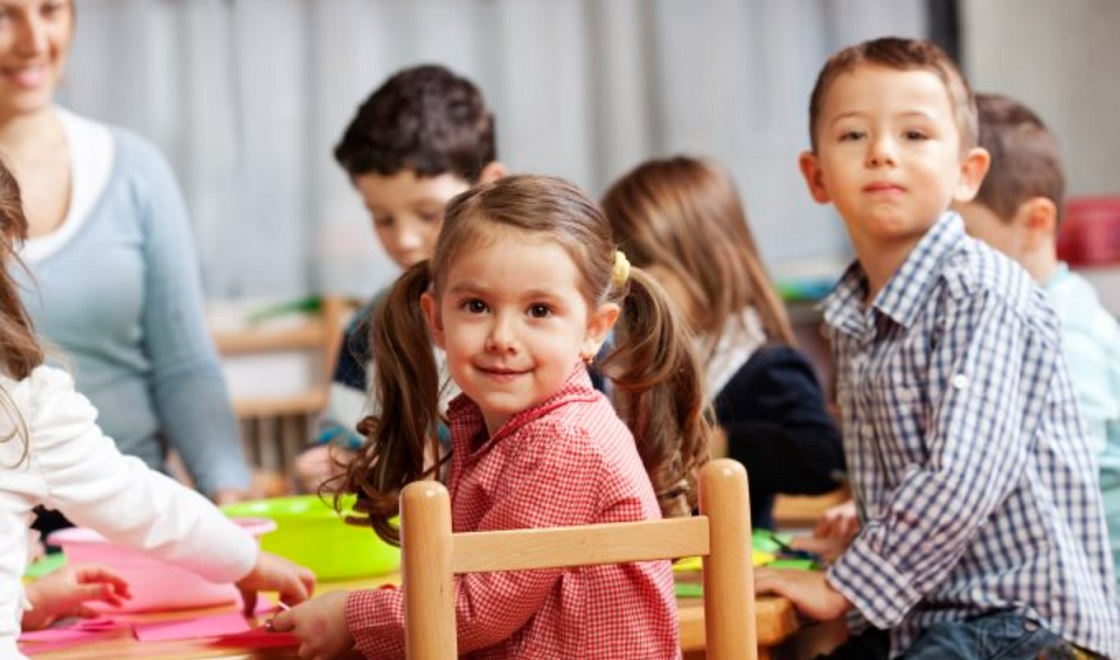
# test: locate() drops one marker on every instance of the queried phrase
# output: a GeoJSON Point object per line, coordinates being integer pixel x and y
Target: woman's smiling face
{"type": "Point", "coordinates": [35, 39]}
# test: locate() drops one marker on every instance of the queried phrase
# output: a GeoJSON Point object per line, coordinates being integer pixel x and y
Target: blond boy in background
{"type": "Point", "coordinates": [1017, 211]}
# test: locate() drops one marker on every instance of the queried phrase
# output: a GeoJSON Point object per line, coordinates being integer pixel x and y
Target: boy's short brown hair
{"type": "Point", "coordinates": [423, 118]}
{"type": "Point", "coordinates": [904, 55]}
{"type": "Point", "coordinates": [1026, 160]}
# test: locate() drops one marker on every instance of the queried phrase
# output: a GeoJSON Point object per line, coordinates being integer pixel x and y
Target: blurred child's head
{"type": "Point", "coordinates": [20, 352]}
{"type": "Point", "coordinates": [1020, 203]}
{"type": "Point", "coordinates": [421, 138]}
{"type": "Point", "coordinates": [525, 283]}
{"type": "Point", "coordinates": [893, 129]}
{"type": "Point", "coordinates": [682, 220]}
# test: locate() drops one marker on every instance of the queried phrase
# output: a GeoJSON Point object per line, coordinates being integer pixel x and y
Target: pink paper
{"type": "Point", "coordinates": [62, 641]}
{"type": "Point", "coordinates": [257, 638]}
{"type": "Point", "coordinates": [208, 626]}
{"type": "Point", "coordinates": [75, 629]}
{"type": "Point", "coordinates": [79, 632]}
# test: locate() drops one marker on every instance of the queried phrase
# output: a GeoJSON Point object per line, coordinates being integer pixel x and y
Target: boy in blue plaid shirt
{"type": "Point", "coordinates": [971, 466]}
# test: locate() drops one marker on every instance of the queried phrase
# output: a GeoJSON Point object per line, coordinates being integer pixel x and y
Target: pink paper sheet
{"type": "Point", "coordinates": [79, 632]}
{"type": "Point", "coordinates": [257, 638]}
{"type": "Point", "coordinates": [215, 625]}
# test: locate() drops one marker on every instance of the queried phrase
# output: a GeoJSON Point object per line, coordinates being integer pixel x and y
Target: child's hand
{"type": "Point", "coordinates": [272, 573]}
{"type": "Point", "coordinates": [320, 625]}
{"type": "Point", "coordinates": [833, 534]}
{"type": "Point", "coordinates": [65, 592]}
{"type": "Point", "coordinates": [807, 590]}
{"type": "Point", "coordinates": [839, 522]}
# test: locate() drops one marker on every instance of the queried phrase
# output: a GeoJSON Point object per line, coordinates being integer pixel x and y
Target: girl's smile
{"type": "Point", "coordinates": [514, 322]}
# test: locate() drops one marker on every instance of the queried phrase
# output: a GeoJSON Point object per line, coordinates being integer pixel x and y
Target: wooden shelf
{"type": "Point", "coordinates": [309, 402]}
{"type": "Point", "coordinates": [252, 340]}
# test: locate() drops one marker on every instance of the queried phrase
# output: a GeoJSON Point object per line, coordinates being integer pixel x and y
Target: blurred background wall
{"type": "Point", "coordinates": [247, 98]}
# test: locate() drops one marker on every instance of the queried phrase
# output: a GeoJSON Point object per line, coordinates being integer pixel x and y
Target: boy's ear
{"type": "Point", "coordinates": [599, 327]}
{"type": "Point", "coordinates": [811, 170]}
{"type": "Point", "coordinates": [1038, 216]}
{"type": "Point", "coordinates": [973, 167]}
{"type": "Point", "coordinates": [492, 172]}
{"type": "Point", "coordinates": [430, 306]}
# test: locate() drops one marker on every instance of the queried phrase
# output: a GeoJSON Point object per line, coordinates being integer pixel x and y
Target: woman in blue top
{"type": "Point", "coordinates": [113, 280]}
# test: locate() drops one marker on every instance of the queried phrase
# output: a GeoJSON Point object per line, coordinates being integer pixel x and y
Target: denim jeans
{"type": "Point", "coordinates": [999, 636]}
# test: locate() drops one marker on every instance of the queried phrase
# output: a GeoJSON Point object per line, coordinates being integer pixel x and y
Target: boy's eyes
{"type": "Point", "coordinates": [850, 136]}
{"type": "Point", "coordinates": [430, 216]}
{"type": "Point", "coordinates": [539, 311]}
{"type": "Point", "coordinates": [915, 135]}
{"type": "Point", "coordinates": [382, 221]}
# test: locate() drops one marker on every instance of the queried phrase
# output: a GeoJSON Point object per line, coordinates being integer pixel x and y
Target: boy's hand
{"type": "Point", "coordinates": [320, 625]}
{"type": "Point", "coordinates": [273, 573]}
{"type": "Point", "coordinates": [807, 590]}
{"type": "Point", "coordinates": [833, 533]}
{"type": "Point", "coordinates": [65, 592]}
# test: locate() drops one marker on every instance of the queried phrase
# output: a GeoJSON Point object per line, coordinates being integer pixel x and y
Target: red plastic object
{"type": "Point", "coordinates": [1090, 232]}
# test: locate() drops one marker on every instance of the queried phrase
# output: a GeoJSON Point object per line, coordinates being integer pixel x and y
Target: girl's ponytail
{"type": "Point", "coordinates": [406, 386]}
{"type": "Point", "coordinates": [659, 392]}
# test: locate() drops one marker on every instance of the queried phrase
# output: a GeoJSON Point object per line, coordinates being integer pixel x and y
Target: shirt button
{"type": "Point", "coordinates": [960, 381]}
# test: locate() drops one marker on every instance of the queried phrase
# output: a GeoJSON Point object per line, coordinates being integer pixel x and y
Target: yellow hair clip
{"type": "Point", "coordinates": [621, 271]}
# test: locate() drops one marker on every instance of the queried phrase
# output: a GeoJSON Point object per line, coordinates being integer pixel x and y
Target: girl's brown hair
{"type": "Point", "coordinates": [656, 375]}
{"type": "Point", "coordinates": [684, 215]}
{"type": "Point", "coordinates": [20, 351]}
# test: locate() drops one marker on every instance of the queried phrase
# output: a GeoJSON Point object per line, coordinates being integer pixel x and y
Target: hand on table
{"type": "Point", "coordinates": [274, 573]}
{"type": "Point", "coordinates": [65, 592]}
{"type": "Point", "coordinates": [320, 625]}
{"type": "Point", "coordinates": [807, 590]}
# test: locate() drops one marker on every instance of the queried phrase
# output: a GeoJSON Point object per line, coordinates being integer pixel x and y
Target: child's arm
{"type": "Point", "coordinates": [994, 375]}
{"type": "Point", "coordinates": [65, 592]}
{"type": "Point", "coordinates": [81, 473]}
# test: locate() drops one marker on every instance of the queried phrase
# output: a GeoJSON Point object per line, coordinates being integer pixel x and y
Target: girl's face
{"type": "Point", "coordinates": [514, 322]}
{"type": "Point", "coordinates": [35, 37]}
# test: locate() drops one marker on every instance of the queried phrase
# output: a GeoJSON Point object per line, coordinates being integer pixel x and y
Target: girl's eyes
{"type": "Point", "coordinates": [915, 135]}
{"type": "Point", "coordinates": [431, 218]}
{"type": "Point", "coordinates": [475, 306]}
{"type": "Point", "coordinates": [539, 311]}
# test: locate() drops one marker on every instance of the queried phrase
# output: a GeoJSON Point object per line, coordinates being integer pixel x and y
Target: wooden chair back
{"type": "Point", "coordinates": [721, 534]}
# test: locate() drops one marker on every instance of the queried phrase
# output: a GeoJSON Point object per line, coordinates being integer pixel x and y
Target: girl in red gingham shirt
{"type": "Point", "coordinates": [523, 289]}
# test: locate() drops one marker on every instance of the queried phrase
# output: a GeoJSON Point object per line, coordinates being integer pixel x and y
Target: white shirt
{"type": "Point", "coordinates": [54, 454]}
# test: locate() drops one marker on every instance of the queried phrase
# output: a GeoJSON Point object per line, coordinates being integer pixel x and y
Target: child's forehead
{"type": "Point", "coordinates": [409, 187]}
{"type": "Point", "coordinates": [870, 88]}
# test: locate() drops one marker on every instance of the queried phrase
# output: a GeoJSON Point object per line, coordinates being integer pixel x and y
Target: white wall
{"type": "Point", "coordinates": [1062, 58]}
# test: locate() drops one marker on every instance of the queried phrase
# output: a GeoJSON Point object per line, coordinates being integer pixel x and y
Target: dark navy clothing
{"type": "Point", "coordinates": [779, 427]}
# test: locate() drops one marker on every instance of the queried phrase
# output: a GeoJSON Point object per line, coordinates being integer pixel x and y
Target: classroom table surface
{"type": "Point", "coordinates": [775, 616]}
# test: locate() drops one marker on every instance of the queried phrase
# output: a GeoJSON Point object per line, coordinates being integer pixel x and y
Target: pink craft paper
{"type": "Point", "coordinates": [65, 639]}
{"type": "Point", "coordinates": [215, 625]}
{"type": "Point", "coordinates": [257, 638]}
{"type": "Point", "coordinates": [79, 632]}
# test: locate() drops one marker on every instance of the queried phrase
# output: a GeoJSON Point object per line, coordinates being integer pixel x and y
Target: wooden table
{"type": "Point", "coordinates": [775, 616]}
